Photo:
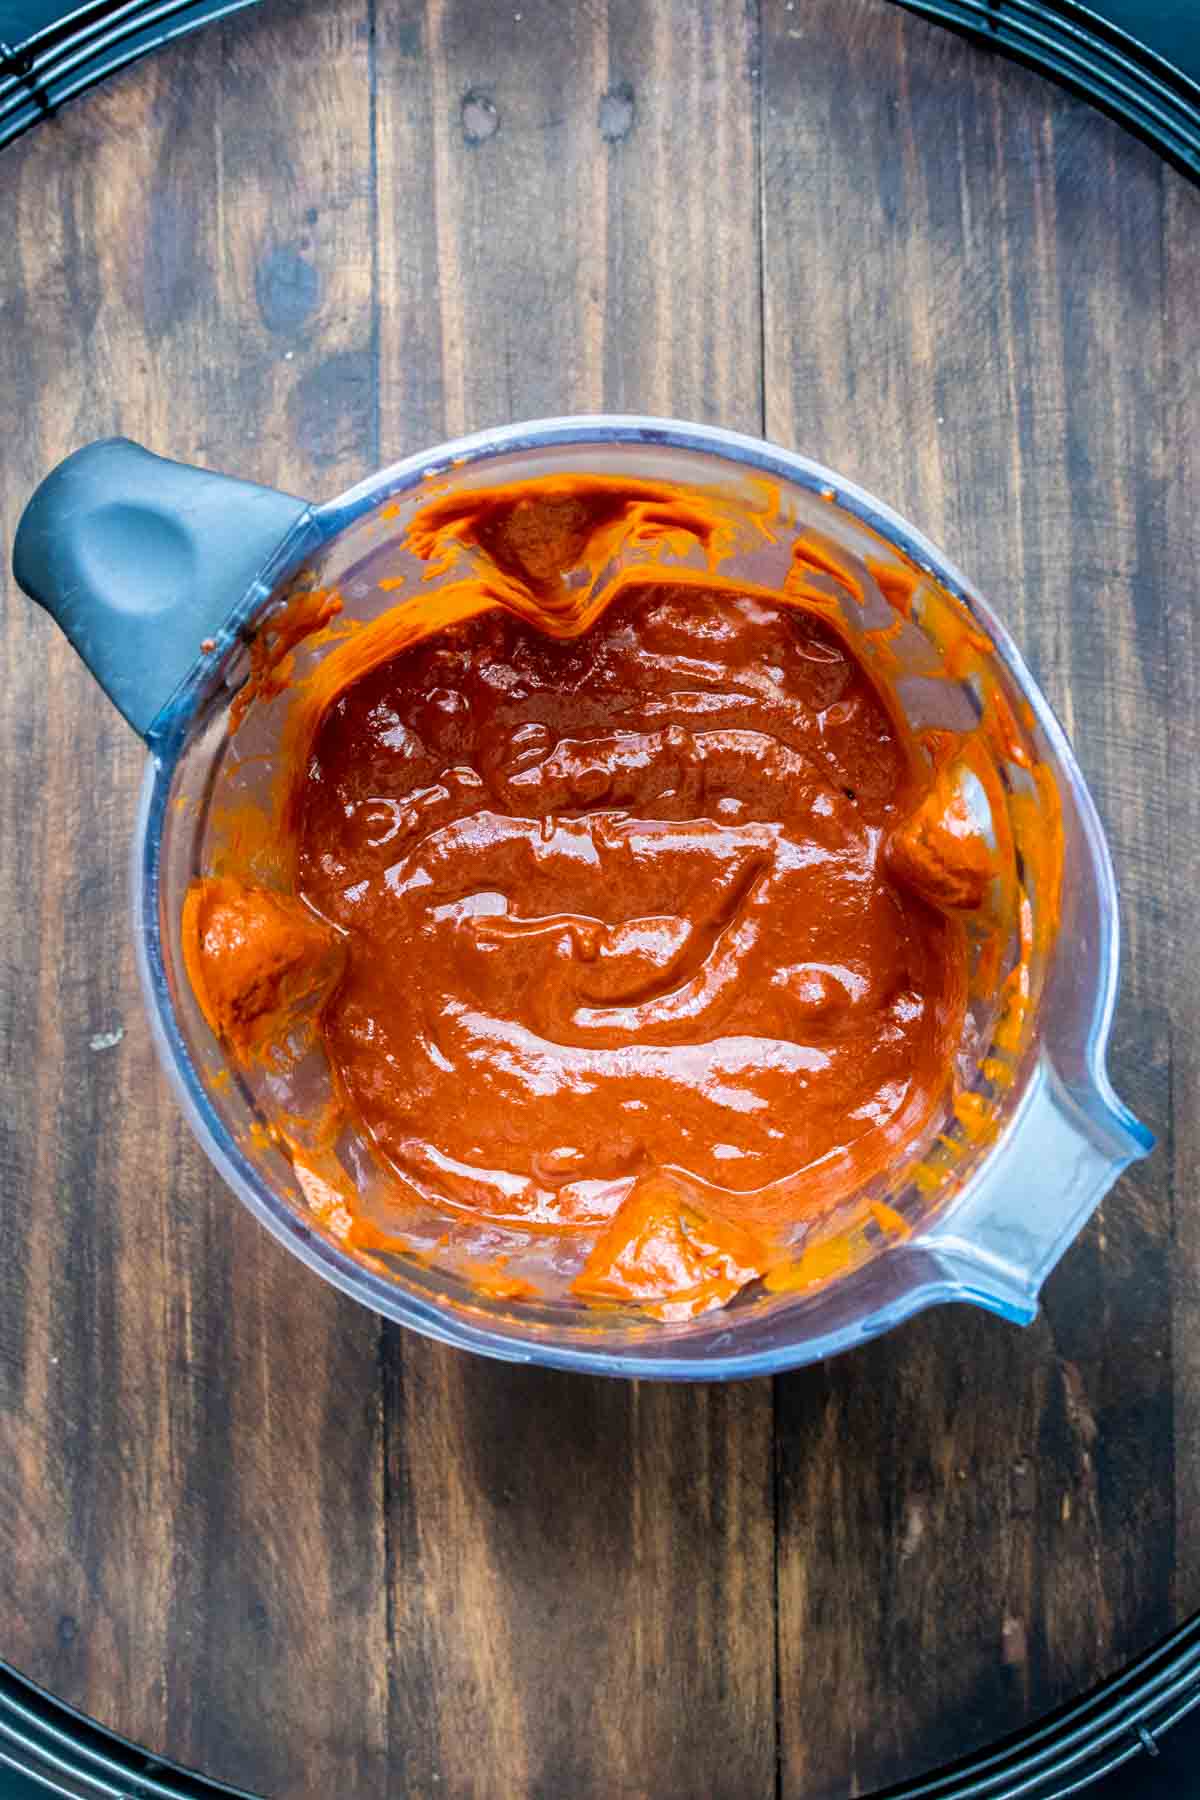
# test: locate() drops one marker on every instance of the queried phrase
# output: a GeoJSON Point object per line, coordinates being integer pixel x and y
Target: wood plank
{"type": "Point", "coordinates": [191, 1545]}
{"type": "Point", "coordinates": [1181, 435]}
{"type": "Point", "coordinates": [582, 1571]}
{"type": "Point", "coordinates": [239, 1521]}
{"type": "Point", "coordinates": [958, 262]}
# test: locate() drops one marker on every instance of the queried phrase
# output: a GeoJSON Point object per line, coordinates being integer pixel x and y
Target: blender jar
{"type": "Point", "coordinates": [176, 616]}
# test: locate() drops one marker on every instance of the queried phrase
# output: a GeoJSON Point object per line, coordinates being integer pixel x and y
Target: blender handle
{"type": "Point", "coordinates": [1039, 1186]}
{"type": "Point", "coordinates": [139, 560]}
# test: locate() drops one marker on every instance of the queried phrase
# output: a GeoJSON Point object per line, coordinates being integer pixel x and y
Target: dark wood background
{"type": "Point", "coordinates": [242, 1520]}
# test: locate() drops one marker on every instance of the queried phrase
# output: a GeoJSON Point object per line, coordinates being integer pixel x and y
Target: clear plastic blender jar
{"type": "Point", "coordinates": [165, 577]}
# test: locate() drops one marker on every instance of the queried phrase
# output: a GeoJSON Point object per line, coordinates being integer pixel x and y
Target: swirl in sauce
{"type": "Point", "coordinates": [649, 930]}
{"type": "Point", "coordinates": [619, 906]}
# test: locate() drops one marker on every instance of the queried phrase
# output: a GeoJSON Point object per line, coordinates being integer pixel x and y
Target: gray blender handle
{"type": "Point", "coordinates": [140, 560]}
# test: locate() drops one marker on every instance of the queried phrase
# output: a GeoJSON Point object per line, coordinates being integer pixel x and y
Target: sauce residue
{"type": "Point", "coordinates": [623, 902]}
{"type": "Point", "coordinates": [259, 963]}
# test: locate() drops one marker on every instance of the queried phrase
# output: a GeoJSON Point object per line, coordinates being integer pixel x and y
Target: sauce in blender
{"type": "Point", "coordinates": [636, 917]}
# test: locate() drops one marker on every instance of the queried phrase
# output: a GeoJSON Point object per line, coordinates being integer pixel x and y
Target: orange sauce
{"type": "Point", "coordinates": [624, 904]}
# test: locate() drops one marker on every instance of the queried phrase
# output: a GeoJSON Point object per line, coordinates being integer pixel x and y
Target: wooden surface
{"type": "Point", "coordinates": [243, 1521]}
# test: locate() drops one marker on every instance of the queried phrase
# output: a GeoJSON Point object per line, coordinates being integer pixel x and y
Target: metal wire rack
{"type": "Point", "coordinates": [70, 1755]}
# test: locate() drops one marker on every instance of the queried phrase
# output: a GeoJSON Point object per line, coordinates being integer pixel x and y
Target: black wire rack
{"type": "Point", "coordinates": [1071, 43]}
{"type": "Point", "coordinates": [1093, 57]}
{"type": "Point", "coordinates": [69, 1755]}
{"type": "Point", "coordinates": [1122, 1720]}
{"type": "Point", "coordinates": [74, 52]}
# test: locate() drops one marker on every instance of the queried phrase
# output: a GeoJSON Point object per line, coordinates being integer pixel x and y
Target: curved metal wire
{"type": "Point", "coordinates": [72, 1756]}
{"type": "Point", "coordinates": [1069, 42]}
{"type": "Point", "coordinates": [1082, 51]}
{"type": "Point", "coordinates": [71, 55]}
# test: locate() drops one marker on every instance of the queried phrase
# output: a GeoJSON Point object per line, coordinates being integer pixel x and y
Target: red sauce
{"type": "Point", "coordinates": [651, 932]}
{"type": "Point", "coordinates": [258, 961]}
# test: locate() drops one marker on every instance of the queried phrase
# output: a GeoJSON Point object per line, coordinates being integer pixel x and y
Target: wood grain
{"type": "Point", "coordinates": [190, 1468]}
{"type": "Point", "coordinates": [1181, 479]}
{"type": "Point", "coordinates": [242, 1521]}
{"type": "Point", "coordinates": [610, 1548]}
{"type": "Point", "coordinates": [964, 301]}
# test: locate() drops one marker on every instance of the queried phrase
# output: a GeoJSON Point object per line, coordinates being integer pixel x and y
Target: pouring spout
{"type": "Point", "coordinates": [1059, 1157]}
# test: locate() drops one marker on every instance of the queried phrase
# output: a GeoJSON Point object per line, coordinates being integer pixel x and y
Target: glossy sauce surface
{"type": "Point", "coordinates": [620, 928]}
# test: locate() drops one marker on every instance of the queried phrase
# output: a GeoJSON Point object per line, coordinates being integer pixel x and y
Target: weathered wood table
{"type": "Point", "coordinates": [242, 1520]}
